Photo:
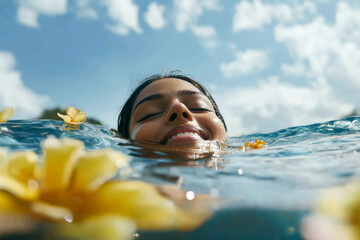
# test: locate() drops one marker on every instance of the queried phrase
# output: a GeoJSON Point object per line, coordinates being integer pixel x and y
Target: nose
{"type": "Point", "coordinates": [178, 113]}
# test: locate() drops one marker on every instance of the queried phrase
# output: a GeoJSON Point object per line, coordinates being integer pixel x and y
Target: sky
{"type": "Point", "coordinates": [268, 64]}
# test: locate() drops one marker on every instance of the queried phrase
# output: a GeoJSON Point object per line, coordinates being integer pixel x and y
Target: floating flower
{"type": "Point", "coordinates": [6, 114]}
{"type": "Point", "coordinates": [73, 116]}
{"type": "Point", "coordinates": [257, 144]}
{"type": "Point", "coordinates": [336, 215]}
{"type": "Point", "coordinates": [73, 192]}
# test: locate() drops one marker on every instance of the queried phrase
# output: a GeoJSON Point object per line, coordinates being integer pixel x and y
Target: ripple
{"type": "Point", "coordinates": [298, 160]}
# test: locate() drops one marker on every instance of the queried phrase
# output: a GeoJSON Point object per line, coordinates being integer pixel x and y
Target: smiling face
{"type": "Point", "coordinates": [174, 112]}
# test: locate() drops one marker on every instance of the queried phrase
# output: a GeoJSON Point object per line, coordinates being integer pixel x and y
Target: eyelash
{"type": "Point", "coordinates": [148, 116]}
{"type": "Point", "coordinates": [200, 109]}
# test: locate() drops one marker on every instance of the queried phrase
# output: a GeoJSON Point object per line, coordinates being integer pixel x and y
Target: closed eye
{"type": "Point", "coordinates": [149, 116]}
{"type": "Point", "coordinates": [200, 110]}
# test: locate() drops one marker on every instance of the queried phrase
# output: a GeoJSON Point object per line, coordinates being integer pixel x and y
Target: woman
{"type": "Point", "coordinates": [172, 112]}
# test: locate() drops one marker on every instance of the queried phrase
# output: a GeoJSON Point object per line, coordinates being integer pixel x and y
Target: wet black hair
{"type": "Point", "coordinates": [126, 111]}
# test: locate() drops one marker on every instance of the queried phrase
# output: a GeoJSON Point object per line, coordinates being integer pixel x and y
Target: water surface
{"type": "Point", "coordinates": [264, 192]}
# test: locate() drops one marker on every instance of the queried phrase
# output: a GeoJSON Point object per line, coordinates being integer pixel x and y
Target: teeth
{"type": "Point", "coordinates": [182, 134]}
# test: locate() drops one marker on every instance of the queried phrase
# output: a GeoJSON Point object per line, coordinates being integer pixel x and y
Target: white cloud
{"type": "Point", "coordinates": [53, 7]}
{"type": "Point", "coordinates": [14, 93]}
{"type": "Point", "coordinates": [154, 16]}
{"type": "Point", "coordinates": [204, 31]}
{"type": "Point", "coordinates": [206, 34]}
{"type": "Point", "coordinates": [254, 15]}
{"type": "Point", "coordinates": [124, 14]}
{"type": "Point", "coordinates": [327, 55]}
{"type": "Point", "coordinates": [272, 105]}
{"type": "Point", "coordinates": [27, 17]}
{"type": "Point", "coordinates": [297, 69]}
{"type": "Point", "coordinates": [187, 14]}
{"type": "Point", "coordinates": [85, 11]}
{"type": "Point", "coordinates": [246, 63]}
{"type": "Point", "coordinates": [29, 10]}
{"type": "Point", "coordinates": [330, 52]}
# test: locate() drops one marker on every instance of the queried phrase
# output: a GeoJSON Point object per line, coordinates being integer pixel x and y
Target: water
{"type": "Point", "coordinates": [265, 193]}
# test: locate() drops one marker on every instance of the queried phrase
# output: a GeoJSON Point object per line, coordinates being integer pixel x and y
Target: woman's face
{"type": "Point", "coordinates": [174, 112]}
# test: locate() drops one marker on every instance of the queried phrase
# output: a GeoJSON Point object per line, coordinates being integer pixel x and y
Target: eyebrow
{"type": "Point", "coordinates": [159, 96]}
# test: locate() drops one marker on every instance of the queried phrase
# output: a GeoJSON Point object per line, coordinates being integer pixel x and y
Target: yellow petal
{"type": "Point", "coordinates": [80, 117]}
{"type": "Point", "coordinates": [138, 200]}
{"type": "Point", "coordinates": [72, 112]}
{"type": "Point", "coordinates": [19, 189]}
{"type": "Point", "coordinates": [101, 227]}
{"type": "Point", "coordinates": [66, 118]}
{"type": "Point", "coordinates": [51, 211]}
{"type": "Point", "coordinates": [341, 205]}
{"type": "Point", "coordinates": [26, 190]}
{"type": "Point", "coordinates": [76, 123]}
{"type": "Point", "coordinates": [192, 213]}
{"type": "Point", "coordinates": [61, 157]}
{"type": "Point", "coordinates": [249, 144]}
{"type": "Point", "coordinates": [9, 203]}
{"type": "Point", "coordinates": [95, 168]}
{"type": "Point", "coordinates": [259, 143]}
{"type": "Point", "coordinates": [3, 158]}
{"type": "Point", "coordinates": [253, 145]}
{"type": "Point", "coordinates": [341, 202]}
{"type": "Point", "coordinates": [21, 166]}
{"type": "Point", "coordinates": [143, 203]}
{"type": "Point", "coordinates": [6, 114]}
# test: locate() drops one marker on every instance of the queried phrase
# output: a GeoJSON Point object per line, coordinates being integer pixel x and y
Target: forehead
{"type": "Point", "coordinates": [166, 86]}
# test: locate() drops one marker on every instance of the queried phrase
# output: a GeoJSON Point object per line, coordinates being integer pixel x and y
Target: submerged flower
{"type": "Point", "coordinates": [338, 210]}
{"type": "Point", "coordinates": [6, 114]}
{"type": "Point", "coordinates": [73, 116]}
{"type": "Point", "coordinates": [74, 193]}
{"type": "Point", "coordinates": [257, 144]}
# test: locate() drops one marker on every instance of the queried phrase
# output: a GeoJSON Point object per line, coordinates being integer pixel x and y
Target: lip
{"type": "Point", "coordinates": [182, 129]}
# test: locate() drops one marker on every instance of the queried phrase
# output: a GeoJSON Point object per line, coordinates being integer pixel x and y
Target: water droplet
{"type": "Point", "coordinates": [240, 171]}
{"type": "Point", "coordinates": [136, 235]}
{"type": "Point", "coordinates": [190, 195]}
{"type": "Point", "coordinates": [69, 218]}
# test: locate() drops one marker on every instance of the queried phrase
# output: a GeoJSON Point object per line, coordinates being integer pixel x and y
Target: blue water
{"type": "Point", "coordinates": [265, 193]}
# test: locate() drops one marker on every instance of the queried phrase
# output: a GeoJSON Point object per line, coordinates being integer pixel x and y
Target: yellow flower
{"type": "Point", "coordinates": [6, 114]}
{"type": "Point", "coordinates": [257, 144]}
{"type": "Point", "coordinates": [337, 209]}
{"type": "Point", "coordinates": [74, 193]}
{"type": "Point", "coordinates": [73, 116]}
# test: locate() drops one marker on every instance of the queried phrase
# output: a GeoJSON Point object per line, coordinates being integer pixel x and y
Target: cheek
{"type": "Point", "coordinates": [216, 127]}
{"type": "Point", "coordinates": [135, 132]}
{"type": "Point", "coordinates": [148, 132]}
